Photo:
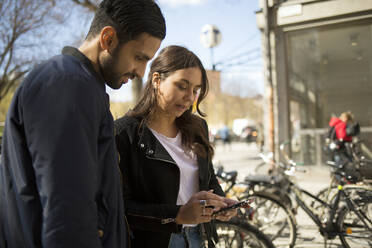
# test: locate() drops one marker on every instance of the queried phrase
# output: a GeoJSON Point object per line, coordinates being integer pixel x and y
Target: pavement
{"type": "Point", "coordinates": [243, 158]}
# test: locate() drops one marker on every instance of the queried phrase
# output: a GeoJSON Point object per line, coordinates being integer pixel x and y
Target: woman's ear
{"type": "Point", "coordinates": [155, 80]}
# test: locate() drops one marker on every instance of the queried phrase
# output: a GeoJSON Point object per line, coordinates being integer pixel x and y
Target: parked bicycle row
{"type": "Point", "coordinates": [342, 210]}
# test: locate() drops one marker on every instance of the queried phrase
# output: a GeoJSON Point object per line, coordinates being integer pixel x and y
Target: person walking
{"type": "Point", "coordinates": [59, 177]}
{"type": "Point", "coordinates": [226, 137]}
{"type": "Point", "coordinates": [170, 189]}
{"type": "Point", "coordinates": [339, 137]}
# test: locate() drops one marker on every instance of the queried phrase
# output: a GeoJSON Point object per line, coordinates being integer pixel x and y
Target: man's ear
{"type": "Point", "coordinates": [108, 39]}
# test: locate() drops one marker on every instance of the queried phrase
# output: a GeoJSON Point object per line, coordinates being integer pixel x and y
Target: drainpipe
{"type": "Point", "coordinates": [268, 75]}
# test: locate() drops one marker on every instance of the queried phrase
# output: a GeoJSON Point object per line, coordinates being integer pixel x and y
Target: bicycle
{"type": "Point", "coordinates": [339, 175]}
{"type": "Point", "coordinates": [270, 215]}
{"type": "Point", "coordinates": [354, 172]}
{"type": "Point", "coordinates": [348, 216]}
{"type": "Point", "coordinates": [237, 234]}
{"type": "Point", "coordinates": [266, 160]}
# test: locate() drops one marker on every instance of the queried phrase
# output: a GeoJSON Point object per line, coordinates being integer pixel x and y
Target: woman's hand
{"type": "Point", "coordinates": [227, 215]}
{"type": "Point", "coordinates": [200, 207]}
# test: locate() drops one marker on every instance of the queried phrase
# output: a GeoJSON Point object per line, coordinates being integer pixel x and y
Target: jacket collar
{"type": "Point", "coordinates": [152, 147]}
{"type": "Point", "coordinates": [74, 52]}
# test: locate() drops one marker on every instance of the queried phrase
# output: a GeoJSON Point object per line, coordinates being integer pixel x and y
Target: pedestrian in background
{"type": "Point", "coordinates": [338, 136]}
{"type": "Point", "coordinates": [59, 177]}
{"type": "Point", "coordinates": [166, 158]}
{"type": "Point", "coordinates": [225, 137]}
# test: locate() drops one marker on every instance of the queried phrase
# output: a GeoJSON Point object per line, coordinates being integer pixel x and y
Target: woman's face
{"type": "Point", "coordinates": [344, 118]}
{"type": "Point", "coordinates": [178, 91]}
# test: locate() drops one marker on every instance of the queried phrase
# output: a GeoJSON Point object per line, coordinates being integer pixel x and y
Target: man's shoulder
{"type": "Point", "coordinates": [54, 69]}
{"type": "Point", "coordinates": [67, 66]}
{"type": "Point", "coordinates": [64, 65]}
{"type": "Point", "coordinates": [63, 72]}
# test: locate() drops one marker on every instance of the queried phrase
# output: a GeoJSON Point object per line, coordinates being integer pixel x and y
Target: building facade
{"type": "Point", "coordinates": [319, 54]}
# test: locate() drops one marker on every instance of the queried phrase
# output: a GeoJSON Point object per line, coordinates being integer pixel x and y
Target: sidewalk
{"type": "Point", "coordinates": [244, 157]}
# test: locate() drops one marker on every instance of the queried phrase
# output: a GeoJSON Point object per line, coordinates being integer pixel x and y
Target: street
{"type": "Point", "coordinates": [243, 158]}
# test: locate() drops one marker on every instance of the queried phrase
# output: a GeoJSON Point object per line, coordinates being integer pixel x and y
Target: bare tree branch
{"type": "Point", "coordinates": [20, 21]}
{"type": "Point", "coordinates": [9, 61]}
{"type": "Point", "coordinates": [90, 5]}
{"type": "Point", "coordinates": [10, 83]}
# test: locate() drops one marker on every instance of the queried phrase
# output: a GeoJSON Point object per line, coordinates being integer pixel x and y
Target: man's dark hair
{"type": "Point", "coordinates": [129, 18]}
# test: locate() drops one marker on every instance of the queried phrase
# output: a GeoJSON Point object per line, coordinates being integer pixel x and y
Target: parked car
{"type": "Point", "coordinates": [249, 134]}
{"type": "Point", "coordinates": [220, 133]}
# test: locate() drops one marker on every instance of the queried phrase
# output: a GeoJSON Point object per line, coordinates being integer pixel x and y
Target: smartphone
{"type": "Point", "coordinates": [241, 204]}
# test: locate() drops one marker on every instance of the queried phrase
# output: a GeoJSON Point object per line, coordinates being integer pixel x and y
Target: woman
{"type": "Point", "coordinates": [340, 136]}
{"type": "Point", "coordinates": [340, 126]}
{"type": "Point", "coordinates": [169, 185]}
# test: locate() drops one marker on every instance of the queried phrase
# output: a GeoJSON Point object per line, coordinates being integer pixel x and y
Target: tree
{"type": "Point", "coordinates": [19, 25]}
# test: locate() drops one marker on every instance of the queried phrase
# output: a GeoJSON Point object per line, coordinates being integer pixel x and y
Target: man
{"type": "Point", "coordinates": [59, 177]}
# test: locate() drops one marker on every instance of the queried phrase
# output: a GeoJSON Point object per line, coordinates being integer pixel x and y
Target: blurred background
{"type": "Point", "coordinates": [278, 69]}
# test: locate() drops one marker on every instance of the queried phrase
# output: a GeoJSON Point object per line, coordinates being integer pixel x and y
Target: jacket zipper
{"type": "Point", "coordinates": [166, 220]}
{"type": "Point", "coordinates": [163, 160]}
{"type": "Point", "coordinates": [167, 161]}
{"type": "Point", "coordinates": [162, 221]}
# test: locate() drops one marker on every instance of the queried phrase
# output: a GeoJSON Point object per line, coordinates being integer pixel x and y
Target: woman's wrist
{"type": "Point", "coordinates": [178, 218]}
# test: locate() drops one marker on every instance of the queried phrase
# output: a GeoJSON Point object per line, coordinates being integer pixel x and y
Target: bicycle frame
{"type": "Point", "coordinates": [297, 191]}
{"type": "Point", "coordinates": [328, 228]}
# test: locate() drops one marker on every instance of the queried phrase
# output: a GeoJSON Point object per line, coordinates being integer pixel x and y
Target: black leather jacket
{"type": "Point", "coordinates": [151, 184]}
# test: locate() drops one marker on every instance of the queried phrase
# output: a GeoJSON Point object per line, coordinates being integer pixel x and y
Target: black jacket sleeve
{"type": "Point", "coordinates": [213, 183]}
{"type": "Point", "coordinates": [62, 124]}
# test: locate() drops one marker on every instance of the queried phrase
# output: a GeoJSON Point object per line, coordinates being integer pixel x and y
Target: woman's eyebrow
{"type": "Point", "coordinates": [188, 82]}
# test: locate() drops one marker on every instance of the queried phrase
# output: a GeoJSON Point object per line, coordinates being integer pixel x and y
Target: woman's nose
{"type": "Point", "coordinates": [190, 95]}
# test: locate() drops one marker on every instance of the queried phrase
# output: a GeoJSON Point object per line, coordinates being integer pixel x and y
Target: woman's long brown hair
{"type": "Point", "coordinates": [193, 131]}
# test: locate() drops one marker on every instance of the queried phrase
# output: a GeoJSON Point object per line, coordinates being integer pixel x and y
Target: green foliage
{"type": "Point", "coordinates": [4, 105]}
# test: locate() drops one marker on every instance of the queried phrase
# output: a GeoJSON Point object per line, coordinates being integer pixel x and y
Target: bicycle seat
{"type": "Point", "coordinates": [263, 179]}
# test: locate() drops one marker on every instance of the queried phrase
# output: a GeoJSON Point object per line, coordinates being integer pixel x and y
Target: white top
{"type": "Point", "coordinates": [186, 162]}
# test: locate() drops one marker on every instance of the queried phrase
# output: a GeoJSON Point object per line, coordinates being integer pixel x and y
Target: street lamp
{"type": "Point", "coordinates": [210, 37]}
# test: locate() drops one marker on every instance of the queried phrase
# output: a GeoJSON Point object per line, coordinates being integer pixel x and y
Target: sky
{"type": "Point", "coordinates": [241, 41]}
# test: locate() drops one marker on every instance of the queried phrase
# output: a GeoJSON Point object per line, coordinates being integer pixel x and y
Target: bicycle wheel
{"type": "Point", "coordinates": [355, 225]}
{"type": "Point", "coordinates": [237, 234]}
{"type": "Point", "coordinates": [273, 218]}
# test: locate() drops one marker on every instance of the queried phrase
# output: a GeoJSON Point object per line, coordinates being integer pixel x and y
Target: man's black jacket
{"type": "Point", "coordinates": [151, 181]}
{"type": "Point", "coordinates": [59, 177]}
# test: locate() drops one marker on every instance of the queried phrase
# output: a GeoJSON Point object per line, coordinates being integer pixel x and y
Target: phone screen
{"type": "Point", "coordinates": [244, 203]}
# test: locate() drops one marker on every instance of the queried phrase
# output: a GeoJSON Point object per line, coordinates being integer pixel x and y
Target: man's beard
{"type": "Point", "coordinates": [107, 67]}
